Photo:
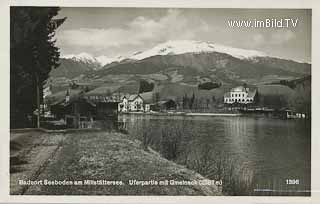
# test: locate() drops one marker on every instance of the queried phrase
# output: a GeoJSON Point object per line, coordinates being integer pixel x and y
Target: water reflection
{"type": "Point", "coordinates": [248, 153]}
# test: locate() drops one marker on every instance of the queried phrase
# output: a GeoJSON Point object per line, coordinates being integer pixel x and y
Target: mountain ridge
{"type": "Point", "coordinates": [226, 67]}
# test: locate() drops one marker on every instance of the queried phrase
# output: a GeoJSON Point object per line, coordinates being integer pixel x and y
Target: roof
{"type": "Point", "coordinates": [163, 102]}
{"type": "Point", "coordinates": [227, 94]}
{"type": "Point", "coordinates": [252, 93]}
{"type": "Point", "coordinates": [102, 91]}
{"type": "Point", "coordinates": [238, 89]}
{"type": "Point", "coordinates": [60, 96]}
{"type": "Point", "coordinates": [241, 89]}
{"type": "Point", "coordinates": [147, 97]}
{"type": "Point", "coordinates": [134, 96]}
{"type": "Point", "coordinates": [63, 103]}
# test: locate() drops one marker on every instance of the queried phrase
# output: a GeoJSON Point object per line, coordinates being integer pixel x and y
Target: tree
{"type": "Point", "coordinates": [192, 101]}
{"type": "Point", "coordinates": [145, 86]}
{"type": "Point", "coordinates": [32, 56]}
{"type": "Point", "coordinates": [156, 97]}
{"type": "Point", "coordinates": [207, 102]}
{"type": "Point", "coordinates": [209, 85]}
{"type": "Point", "coordinates": [185, 101]}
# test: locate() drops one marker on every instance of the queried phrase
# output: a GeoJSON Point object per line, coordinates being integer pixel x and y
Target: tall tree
{"type": "Point", "coordinates": [192, 101]}
{"type": "Point", "coordinates": [32, 56]}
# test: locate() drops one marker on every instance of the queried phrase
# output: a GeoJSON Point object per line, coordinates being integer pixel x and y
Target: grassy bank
{"type": "Point", "coordinates": [113, 157]}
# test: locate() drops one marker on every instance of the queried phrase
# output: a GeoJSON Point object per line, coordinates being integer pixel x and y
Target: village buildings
{"type": "Point", "coordinates": [76, 111]}
{"type": "Point", "coordinates": [74, 105]}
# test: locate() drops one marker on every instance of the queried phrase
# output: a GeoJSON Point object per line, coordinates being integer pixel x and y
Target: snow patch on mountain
{"type": "Point", "coordinates": [90, 59]}
{"type": "Point", "coordinates": [189, 46]}
{"type": "Point", "coordinates": [103, 60]}
{"type": "Point", "coordinates": [82, 57]}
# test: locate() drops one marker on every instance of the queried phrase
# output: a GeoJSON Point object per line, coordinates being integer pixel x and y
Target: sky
{"type": "Point", "coordinates": [116, 32]}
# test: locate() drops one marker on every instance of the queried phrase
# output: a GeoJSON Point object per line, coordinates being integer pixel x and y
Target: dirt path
{"type": "Point", "coordinates": [100, 163]}
{"type": "Point", "coordinates": [30, 152]}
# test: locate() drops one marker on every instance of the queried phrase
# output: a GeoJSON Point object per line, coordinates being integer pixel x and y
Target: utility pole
{"type": "Point", "coordinates": [38, 101]}
{"type": "Point", "coordinates": [36, 59]}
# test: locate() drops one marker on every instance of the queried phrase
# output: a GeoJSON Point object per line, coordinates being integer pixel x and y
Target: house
{"type": "Point", "coordinates": [133, 103]}
{"type": "Point", "coordinates": [124, 105]}
{"type": "Point", "coordinates": [106, 99]}
{"type": "Point", "coordinates": [74, 109]}
{"type": "Point", "coordinates": [241, 95]}
{"type": "Point", "coordinates": [164, 105]}
{"type": "Point", "coordinates": [103, 94]}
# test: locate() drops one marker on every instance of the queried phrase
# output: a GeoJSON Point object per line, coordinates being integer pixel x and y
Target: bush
{"type": "Point", "coordinates": [209, 85]}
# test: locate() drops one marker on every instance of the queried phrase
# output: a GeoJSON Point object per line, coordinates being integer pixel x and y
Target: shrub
{"type": "Point", "coordinates": [209, 85]}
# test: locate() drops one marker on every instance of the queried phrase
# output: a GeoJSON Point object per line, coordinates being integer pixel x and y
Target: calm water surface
{"type": "Point", "coordinates": [258, 153]}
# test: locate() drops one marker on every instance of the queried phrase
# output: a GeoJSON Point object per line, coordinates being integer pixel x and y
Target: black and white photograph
{"type": "Point", "coordinates": [148, 101]}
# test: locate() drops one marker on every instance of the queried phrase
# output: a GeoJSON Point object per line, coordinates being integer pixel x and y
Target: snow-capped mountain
{"type": "Point", "coordinates": [82, 57]}
{"type": "Point", "coordinates": [190, 57]}
{"type": "Point", "coordinates": [168, 48]}
{"type": "Point", "coordinates": [188, 46]}
{"type": "Point", "coordinates": [90, 59]}
{"type": "Point", "coordinates": [198, 57]}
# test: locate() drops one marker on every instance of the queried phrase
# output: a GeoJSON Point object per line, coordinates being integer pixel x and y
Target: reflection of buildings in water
{"type": "Point", "coordinates": [130, 122]}
{"type": "Point", "coordinates": [122, 123]}
{"type": "Point", "coordinates": [241, 136]}
{"type": "Point", "coordinates": [240, 133]}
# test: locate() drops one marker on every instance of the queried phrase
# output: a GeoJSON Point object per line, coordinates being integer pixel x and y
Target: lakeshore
{"type": "Point", "coordinates": [95, 158]}
{"type": "Point", "coordinates": [169, 113]}
{"type": "Point", "coordinates": [267, 113]}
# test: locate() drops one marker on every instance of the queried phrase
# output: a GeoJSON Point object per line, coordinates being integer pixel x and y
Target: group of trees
{"type": "Point", "coordinates": [188, 102]}
{"type": "Point", "coordinates": [145, 86]}
{"type": "Point", "coordinates": [32, 56]}
{"type": "Point", "coordinates": [194, 102]}
{"type": "Point", "coordinates": [209, 85]}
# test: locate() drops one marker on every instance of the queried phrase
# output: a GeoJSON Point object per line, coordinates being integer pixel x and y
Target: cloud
{"type": "Point", "coordinates": [281, 36]}
{"type": "Point", "coordinates": [141, 30]}
{"type": "Point", "coordinates": [258, 39]}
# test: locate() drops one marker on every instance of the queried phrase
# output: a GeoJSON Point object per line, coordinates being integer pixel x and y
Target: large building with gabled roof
{"type": "Point", "coordinates": [240, 95]}
{"type": "Point", "coordinates": [133, 103]}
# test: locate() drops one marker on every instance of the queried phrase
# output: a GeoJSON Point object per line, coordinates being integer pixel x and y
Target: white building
{"type": "Point", "coordinates": [124, 105]}
{"type": "Point", "coordinates": [46, 91]}
{"type": "Point", "coordinates": [240, 95]}
{"type": "Point", "coordinates": [133, 103]}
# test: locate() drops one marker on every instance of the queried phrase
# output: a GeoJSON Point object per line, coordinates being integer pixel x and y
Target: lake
{"type": "Point", "coordinates": [251, 155]}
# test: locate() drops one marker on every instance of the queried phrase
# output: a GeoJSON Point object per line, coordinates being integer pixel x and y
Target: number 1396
{"type": "Point", "coordinates": [292, 181]}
